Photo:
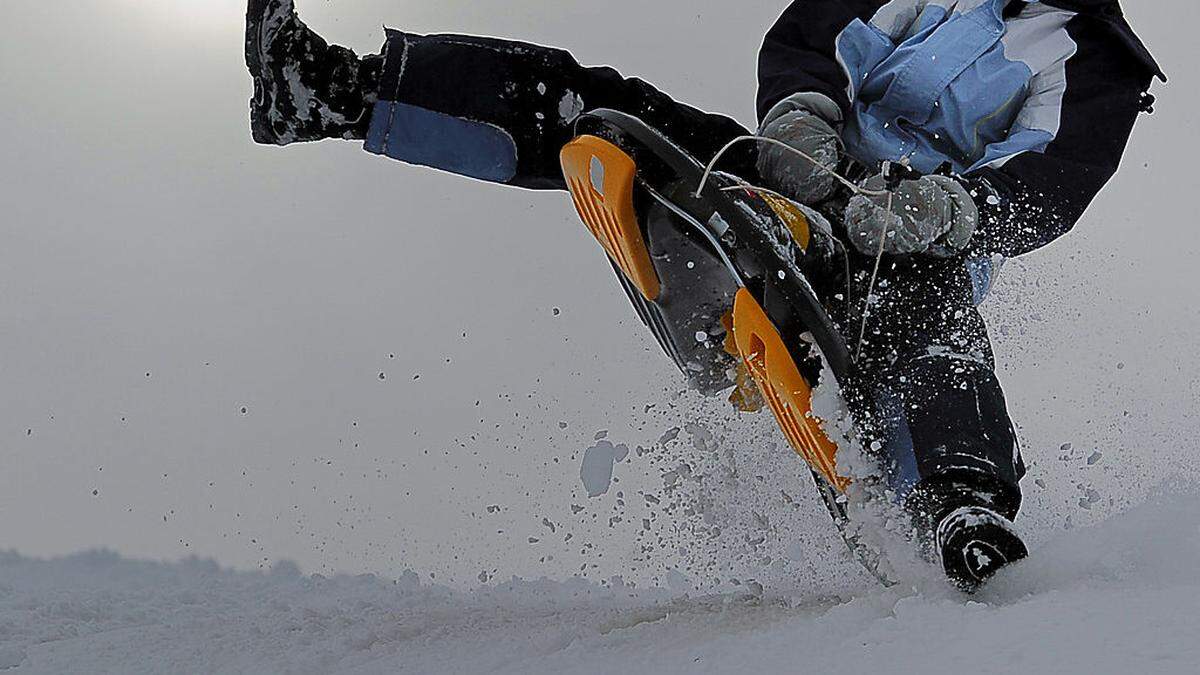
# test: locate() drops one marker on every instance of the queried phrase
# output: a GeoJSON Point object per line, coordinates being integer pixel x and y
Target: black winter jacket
{"type": "Point", "coordinates": [1033, 197]}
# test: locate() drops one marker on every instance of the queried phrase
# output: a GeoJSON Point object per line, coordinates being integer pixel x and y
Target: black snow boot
{"type": "Point", "coordinates": [963, 519]}
{"type": "Point", "coordinates": [304, 88]}
{"type": "Point", "coordinates": [974, 543]}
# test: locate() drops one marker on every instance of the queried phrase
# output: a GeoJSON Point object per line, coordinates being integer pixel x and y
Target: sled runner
{"type": "Point", "coordinates": [719, 278]}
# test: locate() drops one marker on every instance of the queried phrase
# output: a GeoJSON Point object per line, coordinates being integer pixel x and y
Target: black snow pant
{"type": "Point", "coordinates": [501, 111]}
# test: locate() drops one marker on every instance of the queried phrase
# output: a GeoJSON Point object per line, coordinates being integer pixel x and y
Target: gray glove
{"type": "Point", "coordinates": [931, 215]}
{"type": "Point", "coordinates": [791, 174]}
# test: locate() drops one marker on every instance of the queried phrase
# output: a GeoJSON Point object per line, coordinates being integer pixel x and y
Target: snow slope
{"type": "Point", "coordinates": [1119, 597]}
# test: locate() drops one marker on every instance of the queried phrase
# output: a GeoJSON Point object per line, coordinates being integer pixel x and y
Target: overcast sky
{"type": "Point", "coordinates": [193, 328]}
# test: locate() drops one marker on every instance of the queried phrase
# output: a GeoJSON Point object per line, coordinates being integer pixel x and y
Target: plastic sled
{"type": "Point", "coordinates": [719, 279]}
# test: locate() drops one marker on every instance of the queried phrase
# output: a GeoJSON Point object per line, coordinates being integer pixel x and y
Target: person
{"type": "Point", "coordinates": [1006, 116]}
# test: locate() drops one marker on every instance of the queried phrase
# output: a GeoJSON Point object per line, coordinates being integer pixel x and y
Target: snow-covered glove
{"type": "Point", "coordinates": [931, 215]}
{"type": "Point", "coordinates": [791, 174]}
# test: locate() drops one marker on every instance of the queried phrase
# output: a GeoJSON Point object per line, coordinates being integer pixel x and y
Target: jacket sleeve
{"type": "Point", "coordinates": [1036, 197]}
{"type": "Point", "coordinates": [799, 54]}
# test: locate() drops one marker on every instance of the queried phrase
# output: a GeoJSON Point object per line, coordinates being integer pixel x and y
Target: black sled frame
{"type": "Point", "coordinates": [718, 277]}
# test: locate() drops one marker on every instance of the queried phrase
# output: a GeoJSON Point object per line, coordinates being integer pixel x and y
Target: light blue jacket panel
{"type": "Point", "coordinates": [937, 81]}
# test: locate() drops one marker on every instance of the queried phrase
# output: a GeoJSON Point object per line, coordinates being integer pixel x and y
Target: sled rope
{"type": "Point", "coordinates": [856, 189]}
{"type": "Point", "coordinates": [866, 313]}
{"type": "Point", "coordinates": [763, 139]}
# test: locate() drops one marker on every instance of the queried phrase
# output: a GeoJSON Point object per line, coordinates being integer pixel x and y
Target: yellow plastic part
{"type": "Point", "coordinates": [745, 396]}
{"type": "Point", "coordinates": [791, 216]}
{"type": "Point", "coordinates": [783, 387]}
{"type": "Point", "coordinates": [600, 177]}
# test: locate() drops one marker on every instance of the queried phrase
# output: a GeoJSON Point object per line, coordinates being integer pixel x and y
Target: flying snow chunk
{"type": "Point", "coordinates": [570, 107]}
{"type": "Point", "coordinates": [597, 469]}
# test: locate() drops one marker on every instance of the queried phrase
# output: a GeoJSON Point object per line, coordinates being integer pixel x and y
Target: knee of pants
{"type": "Point", "coordinates": [945, 414]}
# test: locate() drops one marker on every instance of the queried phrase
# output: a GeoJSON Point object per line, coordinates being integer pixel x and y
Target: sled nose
{"type": "Point", "coordinates": [600, 177]}
{"type": "Point", "coordinates": [783, 387]}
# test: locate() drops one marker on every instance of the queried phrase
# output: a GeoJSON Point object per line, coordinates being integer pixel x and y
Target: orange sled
{"type": "Point", "coordinates": [718, 277]}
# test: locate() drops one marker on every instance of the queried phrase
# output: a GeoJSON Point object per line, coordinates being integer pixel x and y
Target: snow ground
{"type": "Point", "coordinates": [1119, 597]}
